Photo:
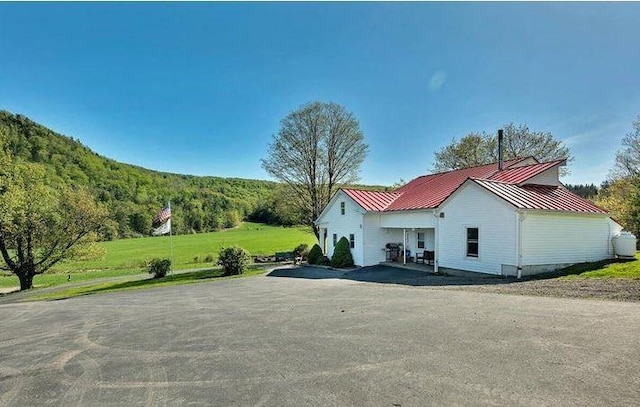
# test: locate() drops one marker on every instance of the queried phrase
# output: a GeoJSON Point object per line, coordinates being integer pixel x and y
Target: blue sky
{"type": "Point", "coordinates": [200, 88]}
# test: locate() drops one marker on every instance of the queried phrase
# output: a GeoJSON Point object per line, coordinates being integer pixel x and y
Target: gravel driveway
{"type": "Point", "coordinates": [267, 341]}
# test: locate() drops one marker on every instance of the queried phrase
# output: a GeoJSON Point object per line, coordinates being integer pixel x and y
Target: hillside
{"type": "Point", "coordinates": [134, 194]}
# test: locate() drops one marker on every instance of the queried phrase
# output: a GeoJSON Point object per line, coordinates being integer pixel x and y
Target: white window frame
{"type": "Point", "coordinates": [467, 241]}
{"type": "Point", "coordinates": [423, 240]}
{"type": "Point", "coordinates": [352, 240]}
{"type": "Point", "coordinates": [343, 208]}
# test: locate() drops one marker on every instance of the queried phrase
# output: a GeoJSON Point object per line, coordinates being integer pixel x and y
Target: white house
{"type": "Point", "coordinates": [518, 220]}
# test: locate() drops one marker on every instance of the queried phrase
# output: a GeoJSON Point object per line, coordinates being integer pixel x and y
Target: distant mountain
{"type": "Point", "coordinates": [135, 194]}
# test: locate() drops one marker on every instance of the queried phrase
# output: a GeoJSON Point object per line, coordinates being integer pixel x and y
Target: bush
{"type": "Point", "coordinates": [302, 250]}
{"type": "Point", "coordinates": [159, 267]}
{"type": "Point", "coordinates": [324, 261]}
{"type": "Point", "coordinates": [342, 254]}
{"type": "Point", "coordinates": [209, 258]}
{"type": "Point", "coordinates": [233, 260]}
{"type": "Point", "coordinates": [314, 254]}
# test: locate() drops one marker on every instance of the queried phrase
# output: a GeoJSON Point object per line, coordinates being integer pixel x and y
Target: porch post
{"type": "Point", "coordinates": [404, 246]}
{"type": "Point", "coordinates": [436, 245]}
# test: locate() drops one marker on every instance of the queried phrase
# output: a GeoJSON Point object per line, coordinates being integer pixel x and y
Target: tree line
{"type": "Point", "coordinates": [133, 195]}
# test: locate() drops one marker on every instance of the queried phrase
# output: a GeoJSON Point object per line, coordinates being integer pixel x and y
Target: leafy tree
{"type": "Point", "coordinates": [621, 198]}
{"type": "Point", "coordinates": [318, 147]}
{"type": "Point", "coordinates": [481, 148]}
{"type": "Point", "coordinates": [628, 158]}
{"type": "Point", "coordinates": [620, 194]}
{"type": "Point", "coordinates": [41, 225]}
{"type": "Point", "coordinates": [342, 254]}
{"type": "Point", "coordinates": [234, 260]}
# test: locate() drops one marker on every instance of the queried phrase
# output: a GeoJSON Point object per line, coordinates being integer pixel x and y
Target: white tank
{"type": "Point", "coordinates": [624, 244]}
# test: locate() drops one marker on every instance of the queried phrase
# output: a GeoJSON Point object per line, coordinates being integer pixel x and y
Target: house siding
{"type": "Point", "coordinates": [408, 219]}
{"type": "Point", "coordinates": [376, 238]}
{"type": "Point", "coordinates": [548, 177]}
{"type": "Point", "coordinates": [552, 239]}
{"type": "Point", "coordinates": [344, 225]}
{"type": "Point", "coordinates": [473, 206]}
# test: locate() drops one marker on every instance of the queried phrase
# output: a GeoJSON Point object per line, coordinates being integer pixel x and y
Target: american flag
{"type": "Point", "coordinates": [162, 216]}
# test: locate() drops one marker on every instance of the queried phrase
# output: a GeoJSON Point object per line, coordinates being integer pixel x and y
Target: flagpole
{"type": "Point", "coordinates": [170, 239]}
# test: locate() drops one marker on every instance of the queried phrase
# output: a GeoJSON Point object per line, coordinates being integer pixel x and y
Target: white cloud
{"type": "Point", "coordinates": [437, 80]}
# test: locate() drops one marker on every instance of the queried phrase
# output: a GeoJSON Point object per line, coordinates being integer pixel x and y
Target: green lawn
{"type": "Point", "coordinates": [175, 279]}
{"type": "Point", "coordinates": [128, 256]}
{"type": "Point", "coordinates": [605, 269]}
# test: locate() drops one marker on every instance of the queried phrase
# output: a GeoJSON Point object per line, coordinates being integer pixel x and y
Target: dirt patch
{"type": "Point", "coordinates": [618, 289]}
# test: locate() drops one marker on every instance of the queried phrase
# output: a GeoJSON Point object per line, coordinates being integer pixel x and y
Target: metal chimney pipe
{"type": "Point", "coordinates": [500, 150]}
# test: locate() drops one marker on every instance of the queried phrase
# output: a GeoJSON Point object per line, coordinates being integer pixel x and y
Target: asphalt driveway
{"type": "Point", "coordinates": [267, 341]}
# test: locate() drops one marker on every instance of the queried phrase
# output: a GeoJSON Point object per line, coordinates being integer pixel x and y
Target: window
{"type": "Point", "coordinates": [341, 208]}
{"type": "Point", "coordinates": [352, 241]}
{"type": "Point", "coordinates": [420, 240]}
{"type": "Point", "coordinates": [472, 242]}
{"type": "Point", "coordinates": [335, 238]}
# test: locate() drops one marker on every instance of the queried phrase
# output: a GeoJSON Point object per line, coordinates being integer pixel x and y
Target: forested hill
{"type": "Point", "coordinates": [134, 194]}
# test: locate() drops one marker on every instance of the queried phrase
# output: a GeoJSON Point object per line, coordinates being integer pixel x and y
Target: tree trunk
{"type": "Point", "coordinates": [26, 280]}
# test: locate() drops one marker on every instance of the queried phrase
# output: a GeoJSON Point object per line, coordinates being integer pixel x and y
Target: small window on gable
{"type": "Point", "coordinates": [420, 240]}
{"type": "Point", "coordinates": [335, 239]}
{"type": "Point", "coordinates": [472, 242]}
{"type": "Point", "coordinates": [341, 208]}
{"type": "Point", "coordinates": [352, 241]}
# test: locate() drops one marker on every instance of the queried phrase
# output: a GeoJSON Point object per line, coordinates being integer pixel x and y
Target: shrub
{"type": "Point", "coordinates": [342, 254]}
{"type": "Point", "coordinates": [314, 254]}
{"type": "Point", "coordinates": [159, 267]}
{"type": "Point", "coordinates": [209, 258]}
{"type": "Point", "coordinates": [302, 250]}
{"type": "Point", "coordinates": [324, 261]}
{"type": "Point", "coordinates": [233, 260]}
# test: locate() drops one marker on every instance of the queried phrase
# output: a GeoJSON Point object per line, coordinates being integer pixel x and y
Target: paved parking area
{"type": "Point", "coordinates": [267, 341]}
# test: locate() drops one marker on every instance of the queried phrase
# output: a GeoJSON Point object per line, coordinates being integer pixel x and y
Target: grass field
{"type": "Point", "coordinates": [134, 253]}
{"type": "Point", "coordinates": [174, 279]}
{"type": "Point", "coordinates": [128, 256]}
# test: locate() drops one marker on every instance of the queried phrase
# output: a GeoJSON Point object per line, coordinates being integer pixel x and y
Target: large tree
{"type": "Point", "coordinates": [482, 148]}
{"type": "Point", "coordinates": [41, 225]}
{"type": "Point", "coordinates": [628, 158]}
{"type": "Point", "coordinates": [319, 146]}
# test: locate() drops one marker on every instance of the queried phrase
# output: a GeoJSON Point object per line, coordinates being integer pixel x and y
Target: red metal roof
{"type": "Point", "coordinates": [543, 197]}
{"type": "Point", "coordinates": [520, 174]}
{"type": "Point", "coordinates": [371, 200]}
{"type": "Point", "coordinates": [429, 191]}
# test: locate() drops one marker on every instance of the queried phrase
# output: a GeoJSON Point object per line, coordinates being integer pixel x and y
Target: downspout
{"type": "Point", "coordinates": [436, 243]}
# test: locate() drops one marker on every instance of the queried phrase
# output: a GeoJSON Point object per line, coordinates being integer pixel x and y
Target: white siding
{"type": "Point", "coordinates": [473, 206]}
{"type": "Point", "coordinates": [376, 238]}
{"type": "Point", "coordinates": [548, 177]}
{"type": "Point", "coordinates": [408, 219]}
{"type": "Point", "coordinates": [561, 238]}
{"type": "Point", "coordinates": [343, 225]}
